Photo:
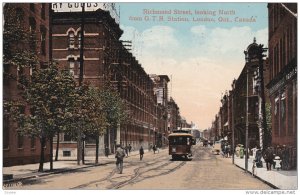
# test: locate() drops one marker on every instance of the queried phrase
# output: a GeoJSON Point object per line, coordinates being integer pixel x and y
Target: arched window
{"type": "Point", "coordinates": [71, 39]}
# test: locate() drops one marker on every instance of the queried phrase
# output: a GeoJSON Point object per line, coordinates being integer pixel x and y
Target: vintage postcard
{"type": "Point", "coordinates": [150, 96]}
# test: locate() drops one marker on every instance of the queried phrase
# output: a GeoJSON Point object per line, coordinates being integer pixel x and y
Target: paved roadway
{"type": "Point", "coordinates": [156, 171]}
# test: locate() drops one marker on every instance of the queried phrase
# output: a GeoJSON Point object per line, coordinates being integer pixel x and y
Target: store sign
{"type": "Point", "coordinates": [76, 7]}
{"type": "Point", "coordinates": [283, 81]}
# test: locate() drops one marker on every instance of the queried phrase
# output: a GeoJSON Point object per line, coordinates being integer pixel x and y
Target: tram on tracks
{"type": "Point", "coordinates": [180, 144]}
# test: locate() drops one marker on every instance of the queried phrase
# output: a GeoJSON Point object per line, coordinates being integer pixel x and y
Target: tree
{"type": "Point", "coordinates": [19, 44]}
{"type": "Point", "coordinates": [114, 107]}
{"type": "Point", "coordinates": [50, 96]}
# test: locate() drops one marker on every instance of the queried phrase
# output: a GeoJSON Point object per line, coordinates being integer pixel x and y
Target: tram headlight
{"type": "Point", "coordinates": [174, 149]}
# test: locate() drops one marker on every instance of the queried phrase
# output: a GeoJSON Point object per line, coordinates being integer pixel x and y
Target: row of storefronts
{"type": "Point", "coordinates": [272, 115]}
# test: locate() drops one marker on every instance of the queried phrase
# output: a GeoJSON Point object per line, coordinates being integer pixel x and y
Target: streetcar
{"type": "Point", "coordinates": [180, 144]}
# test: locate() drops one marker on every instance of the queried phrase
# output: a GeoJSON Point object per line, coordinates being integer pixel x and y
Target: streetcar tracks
{"type": "Point", "coordinates": [139, 173]}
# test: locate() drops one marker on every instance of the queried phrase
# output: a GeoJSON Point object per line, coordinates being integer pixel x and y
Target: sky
{"type": "Point", "coordinates": [200, 46]}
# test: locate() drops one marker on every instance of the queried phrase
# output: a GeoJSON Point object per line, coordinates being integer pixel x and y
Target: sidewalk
{"type": "Point", "coordinates": [287, 180]}
{"type": "Point", "coordinates": [68, 164]}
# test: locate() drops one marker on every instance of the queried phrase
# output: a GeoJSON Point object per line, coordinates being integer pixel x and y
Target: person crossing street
{"type": "Point", "coordinates": [141, 153]}
{"type": "Point", "coordinates": [120, 154]}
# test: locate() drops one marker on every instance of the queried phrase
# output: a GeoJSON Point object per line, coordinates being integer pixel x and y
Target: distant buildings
{"type": "Point", "coordinates": [280, 91]}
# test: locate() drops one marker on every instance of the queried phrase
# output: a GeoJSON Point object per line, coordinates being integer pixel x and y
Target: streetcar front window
{"type": "Point", "coordinates": [179, 140]}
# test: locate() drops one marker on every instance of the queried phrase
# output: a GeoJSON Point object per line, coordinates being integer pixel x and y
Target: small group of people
{"type": "Point", "coordinates": [277, 159]}
{"type": "Point", "coordinates": [226, 151]}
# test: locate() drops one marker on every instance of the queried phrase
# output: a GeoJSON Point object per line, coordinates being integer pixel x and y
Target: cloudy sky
{"type": "Point", "coordinates": [202, 57]}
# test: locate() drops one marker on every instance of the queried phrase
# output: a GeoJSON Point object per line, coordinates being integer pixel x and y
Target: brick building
{"type": "Point", "coordinates": [161, 91]}
{"type": "Point", "coordinates": [106, 60]}
{"type": "Point", "coordinates": [17, 149]}
{"type": "Point", "coordinates": [232, 113]}
{"type": "Point", "coordinates": [173, 115]}
{"type": "Point", "coordinates": [283, 76]}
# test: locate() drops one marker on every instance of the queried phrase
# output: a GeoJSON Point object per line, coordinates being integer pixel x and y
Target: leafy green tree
{"type": "Point", "coordinates": [19, 43]}
{"type": "Point", "coordinates": [114, 107]}
{"type": "Point", "coordinates": [51, 97]}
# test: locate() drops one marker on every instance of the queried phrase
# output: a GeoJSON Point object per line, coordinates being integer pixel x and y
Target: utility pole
{"type": "Point", "coordinates": [80, 150]}
{"type": "Point", "coordinates": [266, 140]}
{"type": "Point", "coordinates": [232, 126]}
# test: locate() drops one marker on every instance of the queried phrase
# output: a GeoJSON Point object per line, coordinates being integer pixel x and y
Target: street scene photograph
{"type": "Point", "coordinates": [131, 96]}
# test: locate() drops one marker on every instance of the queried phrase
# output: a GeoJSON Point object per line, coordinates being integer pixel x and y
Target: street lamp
{"type": "Point", "coordinates": [247, 105]}
{"type": "Point", "coordinates": [232, 119]}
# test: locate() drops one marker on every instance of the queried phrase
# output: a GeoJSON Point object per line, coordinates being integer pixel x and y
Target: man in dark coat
{"type": "Point", "coordinates": [141, 152]}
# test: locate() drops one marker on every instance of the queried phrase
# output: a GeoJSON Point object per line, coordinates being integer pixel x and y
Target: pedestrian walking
{"type": "Point", "coordinates": [126, 151]}
{"type": "Point", "coordinates": [129, 148]}
{"type": "Point", "coordinates": [154, 149]}
{"type": "Point", "coordinates": [141, 153]}
{"type": "Point", "coordinates": [120, 154]}
{"type": "Point", "coordinates": [258, 156]}
{"type": "Point", "coordinates": [106, 151]}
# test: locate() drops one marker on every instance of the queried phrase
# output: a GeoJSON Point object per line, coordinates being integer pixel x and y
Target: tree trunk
{"type": "Point", "coordinates": [97, 149]}
{"type": "Point", "coordinates": [51, 153]}
{"type": "Point", "coordinates": [57, 147]}
{"type": "Point", "coordinates": [83, 142]}
{"type": "Point", "coordinates": [42, 158]}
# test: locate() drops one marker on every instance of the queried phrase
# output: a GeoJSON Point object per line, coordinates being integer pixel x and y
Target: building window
{"type": "Point", "coordinates": [79, 39]}
{"type": "Point", "coordinates": [283, 115]}
{"type": "Point", "coordinates": [66, 153]}
{"type": "Point", "coordinates": [32, 142]}
{"type": "Point", "coordinates": [32, 7]}
{"type": "Point", "coordinates": [19, 14]}
{"type": "Point", "coordinates": [71, 39]}
{"type": "Point", "coordinates": [6, 125]}
{"type": "Point", "coordinates": [20, 141]}
{"type": "Point", "coordinates": [32, 29]}
{"type": "Point", "coordinates": [43, 11]}
{"type": "Point", "coordinates": [43, 40]}
{"type": "Point", "coordinates": [276, 116]}
{"type": "Point", "coordinates": [20, 76]}
{"type": "Point", "coordinates": [67, 137]}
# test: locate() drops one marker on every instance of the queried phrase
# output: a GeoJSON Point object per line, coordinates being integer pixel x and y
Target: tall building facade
{"type": "Point", "coordinates": [35, 17]}
{"type": "Point", "coordinates": [107, 61]}
{"type": "Point", "coordinates": [231, 119]}
{"type": "Point", "coordinates": [283, 76]}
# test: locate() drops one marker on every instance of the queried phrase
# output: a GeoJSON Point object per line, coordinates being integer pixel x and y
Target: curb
{"type": "Point", "coordinates": [266, 182]}
{"type": "Point", "coordinates": [43, 174]}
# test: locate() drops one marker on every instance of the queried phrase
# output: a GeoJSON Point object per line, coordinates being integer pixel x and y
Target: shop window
{"type": "Point", "coordinates": [66, 153]}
